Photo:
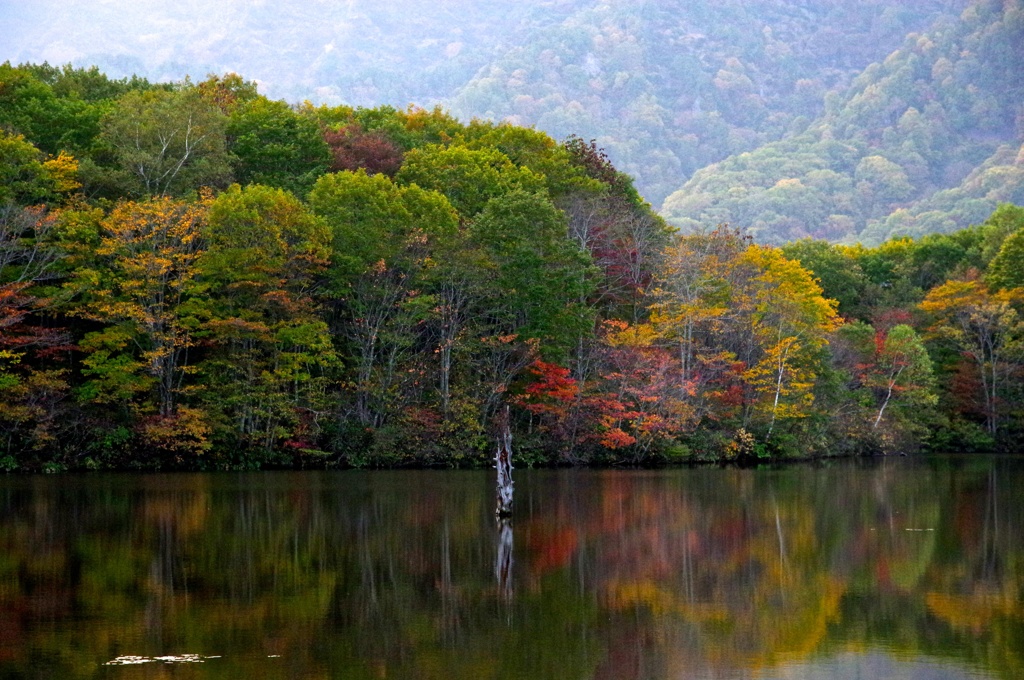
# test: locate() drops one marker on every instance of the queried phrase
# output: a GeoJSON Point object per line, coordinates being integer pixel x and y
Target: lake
{"type": "Point", "coordinates": [909, 568]}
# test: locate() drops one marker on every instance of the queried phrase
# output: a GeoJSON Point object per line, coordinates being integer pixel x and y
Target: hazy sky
{"type": "Point", "coordinates": [296, 49]}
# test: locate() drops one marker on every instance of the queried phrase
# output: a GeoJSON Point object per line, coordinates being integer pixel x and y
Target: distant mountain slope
{"type": "Point", "coordinates": [667, 88]}
{"type": "Point", "coordinates": [927, 140]}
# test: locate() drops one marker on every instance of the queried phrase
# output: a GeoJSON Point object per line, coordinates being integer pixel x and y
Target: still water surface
{"type": "Point", "coordinates": [899, 568]}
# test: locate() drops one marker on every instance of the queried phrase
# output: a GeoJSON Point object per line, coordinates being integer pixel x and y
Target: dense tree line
{"type": "Point", "coordinates": [195, 276]}
{"type": "Point", "coordinates": [962, 292]}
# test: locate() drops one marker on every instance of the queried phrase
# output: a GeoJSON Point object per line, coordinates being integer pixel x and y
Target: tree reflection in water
{"type": "Point", "coordinates": [912, 567]}
{"type": "Point", "coordinates": [503, 563]}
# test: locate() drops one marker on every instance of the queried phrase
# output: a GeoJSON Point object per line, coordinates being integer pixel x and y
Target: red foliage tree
{"type": "Point", "coordinates": [353, 148]}
{"type": "Point", "coordinates": [30, 394]}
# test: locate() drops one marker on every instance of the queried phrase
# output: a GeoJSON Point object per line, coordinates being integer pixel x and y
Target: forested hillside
{"type": "Point", "coordinates": [193, 275]}
{"type": "Point", "coordinates": [670, 88]}
{"type": "Point", "coordinates": [929, 140]}
{"type": "Point", "coordinates": [666, 89]}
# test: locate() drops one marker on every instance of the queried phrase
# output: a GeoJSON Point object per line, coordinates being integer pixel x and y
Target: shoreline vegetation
{"type": "Point", "coordinates": [195, 277]}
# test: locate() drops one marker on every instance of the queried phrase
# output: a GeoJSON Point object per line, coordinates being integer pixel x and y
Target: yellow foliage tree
{"type": "Point", "coordinates": [790, 321]}
{"type": "Point", "coordinates": [145, 268]}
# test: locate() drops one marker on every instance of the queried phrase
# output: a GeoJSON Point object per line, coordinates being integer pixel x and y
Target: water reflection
{"type": "Point", "coordinates": [503, 563]}
{"type": "Point", "coordinates": [905, 569]}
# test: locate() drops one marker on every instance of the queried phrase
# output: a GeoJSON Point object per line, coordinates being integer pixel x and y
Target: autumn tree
{"type": "Point", "coordinates": [167, 141]}
{"type": "Point", "coordinates": [641, 401]}
{"type": "Point", "coordinates": [144, 271]}
{"type": "Point", "coordinates": [690, 304]}
{"type": "Point", "coordinates": [266, 349]}
{"type": "Point", "coordinates": [27, 177]}
{"type": "Point", "coordinates": [32, 383]}
{"type": "Point", "coordinates": [550, 395]}
{"type": "Point", "coordinates": [353, 148]}
{"type": "Point", "coordinates": [748, 328]}
{"type": "Point", "coordinates": [837, 270]}
{"type": "Point", "coordinates": [986, 329]}
{"type": "Point", "coordinates": [790, 321]}
{"type": "Point", "coordinates": [611, 221]}
{"type": "Point", "coordinates": [227, 92]}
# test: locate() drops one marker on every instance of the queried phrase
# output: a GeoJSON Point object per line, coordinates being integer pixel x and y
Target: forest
{"type": "Point", "coordinates": [928, 140]}
{"type": "Point", "coordinates": [195, 276]}
{"type": "Point", "coordinates": [850, 121]}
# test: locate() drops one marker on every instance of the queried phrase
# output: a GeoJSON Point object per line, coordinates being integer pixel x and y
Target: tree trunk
{"type": "Point", "coordinates": [503, 463]}
{"type": "Point", "coordinates": [888, 396]}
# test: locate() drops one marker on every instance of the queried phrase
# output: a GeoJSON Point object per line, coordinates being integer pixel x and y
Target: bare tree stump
{"type": "Point", "coordinates": [503, 464]}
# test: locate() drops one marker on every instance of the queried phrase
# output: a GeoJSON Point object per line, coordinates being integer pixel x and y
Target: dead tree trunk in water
{"type": "Point", "coordinates": [503, 464]}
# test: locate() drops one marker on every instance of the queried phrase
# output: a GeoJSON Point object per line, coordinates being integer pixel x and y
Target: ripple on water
{"type": "Point", "coordinates": [171, 658]}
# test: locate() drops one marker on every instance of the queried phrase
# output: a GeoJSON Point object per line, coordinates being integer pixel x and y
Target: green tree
{"type": "Point", "coordinates": [1007, 268]}
{"type": "Point", "coordinates": [902, 371]}
{"type": "Point", "coordinates": [541, 276]}
{"type": "Point", "coordinates": [372, 218]}
{"type": "Point", "coordinates": [880, 184]}
{"type": "Point", "coordinates": [532, 149]}
{"type": "Point", "coordinates": [532, 284]}
{"type": "Point", "coordinates": [167, 142]}
{"type": "Point", "coordinates": [383, 236]}
{"type": "Point", "coordinates": [272, 144]}
{"type": "Point", "coordinates": [264, 372]}
{"type": "Point", "coordinates": [1004, 220]}
{"type": "Point", "coordinates": [87, 84]}
{"type": "Point", "coordinates": [468, 178]}
{"type": "Point", "coordinates": [53, 124]}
